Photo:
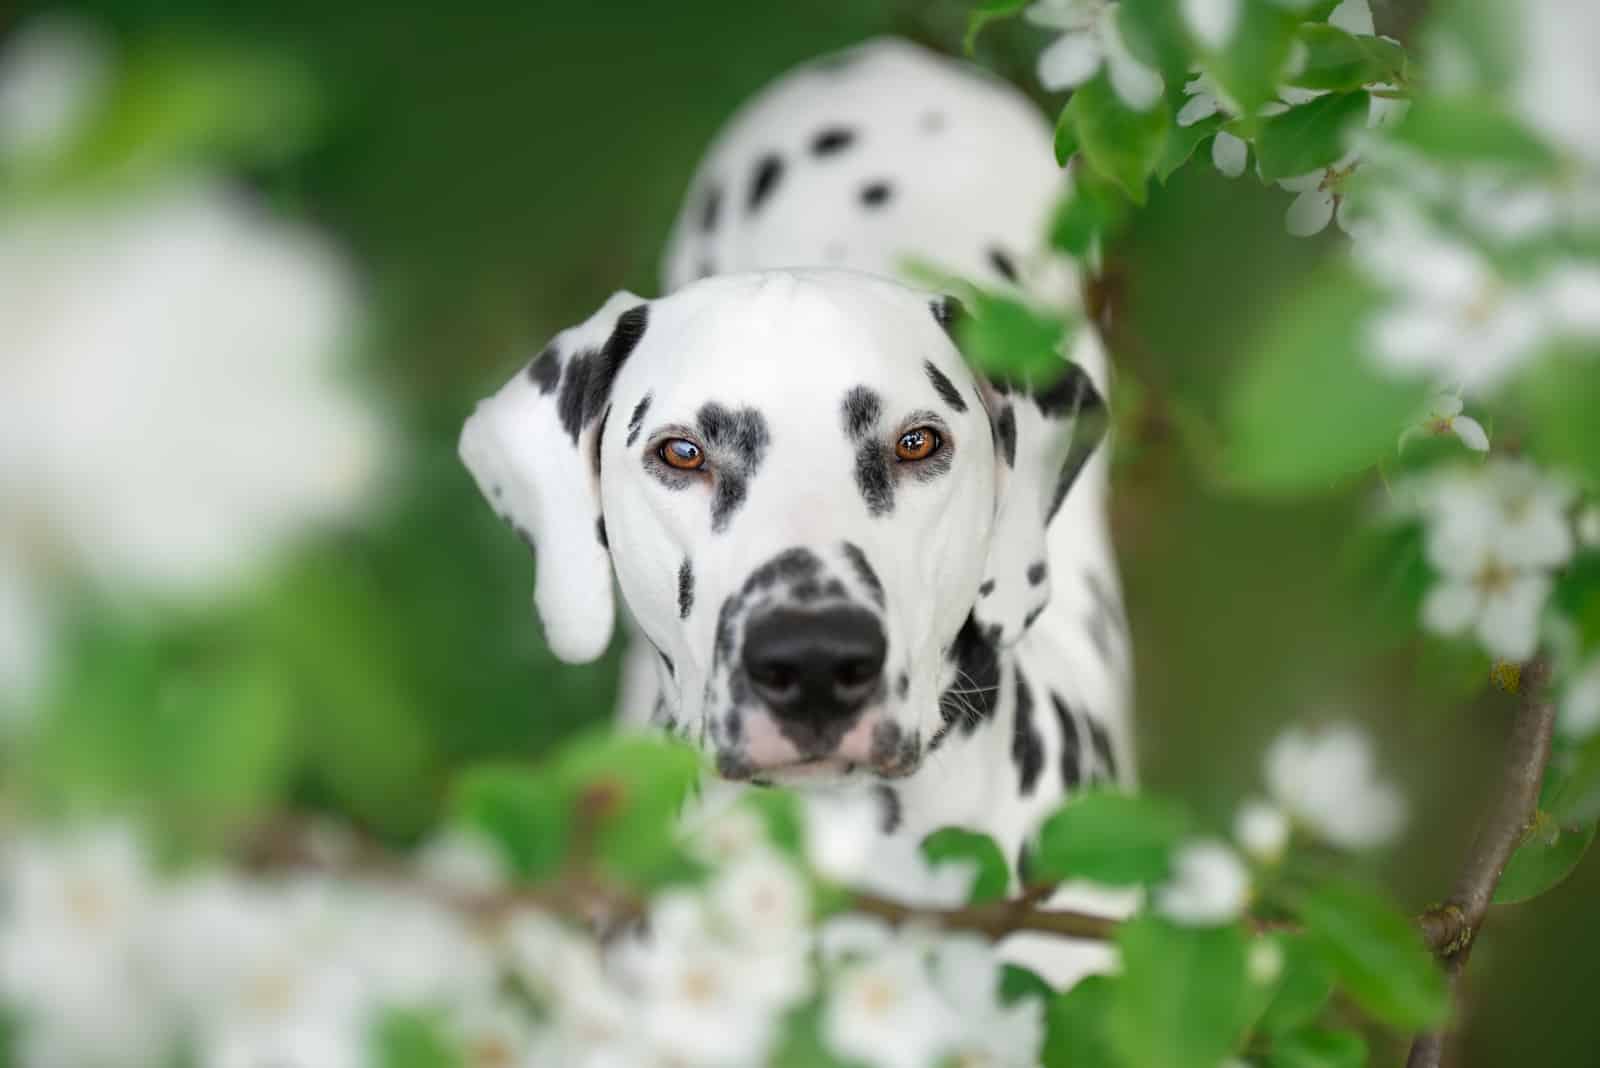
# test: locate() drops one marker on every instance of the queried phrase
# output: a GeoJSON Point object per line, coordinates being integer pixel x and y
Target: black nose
{"type": "Point", "coordinates": [815, 668]}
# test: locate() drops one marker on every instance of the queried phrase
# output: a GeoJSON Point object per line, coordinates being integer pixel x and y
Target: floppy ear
{"type": "Point", "coordinates": [1043, 439]}
{"type": "Point", "coordinates": [533, 448]}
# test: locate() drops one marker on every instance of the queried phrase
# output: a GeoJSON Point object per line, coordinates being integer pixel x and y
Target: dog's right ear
{"type": "Point", "coordinates": [533, 449]}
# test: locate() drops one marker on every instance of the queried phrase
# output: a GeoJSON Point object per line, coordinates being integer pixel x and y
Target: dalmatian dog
{"type": "Point", "coordinates": [851, 564]}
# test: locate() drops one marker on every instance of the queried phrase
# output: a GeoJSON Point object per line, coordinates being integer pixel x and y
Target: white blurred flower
{"type": "Point", "coordinates": [1327, 780]}
{"type": "Point", "coordinates": [492, 1034]}
{"type": "Point", "coordinates": [1455, 316]}
{"type": "Point", "coordinates": [1211, 21]}
{"type": "Point", "coordinates": [719, 834]}
{"type": "Point", "coordinates": [1265, 962]}
{"type": "Point", "coordinates": [1493, 534]}
{"type": "Point", "coordinates": [73, 916]}
{"type": "Point", "coordinates": [1580, 702]}
{"type": "Point", "coordinates": [844, 844]}
{"type": "Point", "coordinates": [1262, 830]}
{"type": "Point", "coordinates": [1210, 885]}
{"type": "Point", "coordinates": [1228, 152]}
{"type": "Point", "coordinates": [1558, 80]}
{"type": "Point", "coordinates": [1444, 418]}
{"type": "Point", "coordinates": [53, 73]}
{"type": "Point", "coordinates": [1588, 527]}
{"type": "Point", "coordinates": [1089, 38]}
{"type": "Point", "coordinates": [1319, 197]}
{"type": "Point", "coordinates": [463, 863]}
{"type": "Point", "coordinates": [1353, 16]}
{"type": "Point", "coordinates": [700, 999]}
{"type": "Point", "coordinates": [885, 1012]}
{"type": "Point", "coordinates": [170, 407]}
{"type": "Point", "coordinates": [990, 1033]}
{"type": "Point", "coordinates": [565, 974]}
{"type": "Point", "coordinates": [762, 900]}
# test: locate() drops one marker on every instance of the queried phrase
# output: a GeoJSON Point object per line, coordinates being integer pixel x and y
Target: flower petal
{"type": "Point", "coordinates": [1471, 433]}
{"type": "Point", "coordinates": [1450, 607]}
{"type": "Point", "coordinates": [1200, 106]}
{"type": "Point", "coordinates": [1212, 21]}
{"type": "Point", "coordinates": [1509, 626]}
{"type": "Point", "coordinates": [1070, 61]}
{"type": "Point", "coordinates": [1139, 86]}
{"type": "Point", "coordinates": [1353, 16]}
{"type": "Point", "coordinates": [1310, 213]}
{"type": "Point", "coordinates": [1229, 154]}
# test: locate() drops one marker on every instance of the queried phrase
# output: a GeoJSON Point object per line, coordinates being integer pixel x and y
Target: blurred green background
{"type": "Point", "coordinates": [497, 172]}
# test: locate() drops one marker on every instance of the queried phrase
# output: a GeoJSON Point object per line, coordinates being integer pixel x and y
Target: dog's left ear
{"type": "Point", "coordinates": [534, 449]}
{"type": "Point", "coordinates": [1043, 439]}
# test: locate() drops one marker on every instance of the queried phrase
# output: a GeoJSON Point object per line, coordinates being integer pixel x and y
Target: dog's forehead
{"type": "Point", "coordinates": [793, 340]}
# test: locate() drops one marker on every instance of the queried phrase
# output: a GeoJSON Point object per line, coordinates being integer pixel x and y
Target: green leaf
{"type": "Point", "coordinates": [1005, 338]}
{"type": "Point", "coordinates": [1122, 144]}
{"type": "Point", "coordinates": [1183, 995]}
{"type": "Point", "coordinates": [1308, 137]}
{"type": "Point", "coordinates": [958, 844]}
{"type": "Point", "coordinates": [1559, 393]}
{"type": "Point", "coordinates": [1076, 1033]}
{"type": "Point", "coordinates": [527, 815]}
{"type": "Point", "coordinates": [1549, 851]}
{"type": "Point", "coordinates": [1377, 954]}
{"type": "Point", "coordinates": [1182, 142]}
{"type": "Point", "coordinates": [1338, 61]}
{"type": "Point", "coordinates": [412, 1040]}
{"type": "Point", "coordinates": [1066, 140]}
{"type": "Point", "coordinates": [1308, 407]}
{"type": "Point", "coordinates": [1092, 209]}
{"type": "Point", "coordinates": [1302, 989]}
{"type": "Point", "coordinates": [1319, 1049]}
{"type": "Point", "coordinates": [1018, 983]}
{"type": "Point", "coordinates": [631, 788]}
{"type": "Point", "coordinates": [1108, 838]}
{"type": "Point", "coordinates": [985, 12]}
{"type": "Point", "coordinates": [1155, 33]}
{"type": "Point", "coordinates": [1472, 129]}
{"type": "Point", "coordinates": [800, 1043]}
{"type": "Point", "coordinates": [1251, 68]}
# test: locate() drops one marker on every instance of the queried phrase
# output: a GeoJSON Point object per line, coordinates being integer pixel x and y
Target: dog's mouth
{"type": "Point", "coordinates": [894, 753]}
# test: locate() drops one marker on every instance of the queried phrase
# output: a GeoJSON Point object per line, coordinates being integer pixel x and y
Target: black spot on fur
{"type": "Point", "coordinates": [1027, 748]}
{"type": "Point", "coordinates": [574, 387]}
{"type": "Point", "coordinates": [685, 589]}
{"type": "Point", "coordinates": [947, 311]}
{"type": "Point", "coordinates": [864, 572]}
{"type": "Point", "coordinates": [832, 140]}
{"type": "Point", "coordinates": [1071, 394]}
{"type": "Point", "coordinates": [1037, 572]}
{"type": "Point", "coordinates": [862, 408]}
{"type": "Point", "coordinates": [1102, 749]}
{"type": "Point", "coordinates": [600, 533]}
{"type": "Point", "coordinates": [706, 269]}
{"type": "Point", "coordinates": [768, 172]}
{"type": "Point", "coordinates": [944, 387]}
{"type": "Point", "coordinates": [1005, 429]}
{"type": "Point", "coordinates": [711, 209]}
{"type": "Point", "coordinates": [1071, 746]}
{"type": "Point", "coordinates": [599, 440]}
{"type": "Point", "coordinates": [986, 587]}
{"type": "Point", "coordinates": [971, 698]}
{"type": "Point", "coordinates": [890, 800]}
{"type": "Point", "coordinates": [672, 669]}
{"type": "Point", "coordinates": [586, 379]}
{"type": "Point", "coordinates": [876, 194]}
{"type": "Point", "coordinates": [1003, 265]}
{"type": "Point", "coordinates": [545, 370]}
{"type": "Point", "coordinates": [1033, 615]}
{"type": "Point", "coordinates": [740, 437]}
{"type": "Point", "coordinates": [636, 420]}
{"type": "Point", "coordinates": [902, 686]}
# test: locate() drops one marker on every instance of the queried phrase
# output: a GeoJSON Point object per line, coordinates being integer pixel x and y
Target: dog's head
{"type": "Point", "coordinates": [803, 494]}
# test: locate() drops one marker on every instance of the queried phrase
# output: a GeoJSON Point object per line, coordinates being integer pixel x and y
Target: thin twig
{"type": "Point", "coordinates": [1453, 927]}
{"type": "Point", "coordinates": [995, 919]}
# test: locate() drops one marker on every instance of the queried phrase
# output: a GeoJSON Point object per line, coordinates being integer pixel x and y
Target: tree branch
{"type": "Point", "coordinates": [1451, 928]}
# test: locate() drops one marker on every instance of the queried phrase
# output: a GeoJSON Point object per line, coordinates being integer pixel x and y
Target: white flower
{"type": "Point", "coordinates": [699, 999]}
{"type": "Point", "coordinates": [1588, 527]}
{"type": "Point", "coordinates": [990, 1033]}
{"type": "Point", "coordinates": [885, 1013]}
{"type": "Point", "coordinates": [1209, 886]}
{"type": "Point", "coordinates": [1320, 197]}
{"type": "Point", "coordinates": [492, 1034]}
{"type": "Point", "coordinates": [844, 844]}
{"type": "Point", "coordinates": [1327, 781]}
{"type": "Point", "coordinates": [564, 972]}
{"type": "Point", "coordinates": [1228, 152]}
{"type": "Point", "coordinates": [1211, 21]}
{"type": "Point", "coordinates": [1493, 534]}
{"type": "Point", "coordinates": [53, 74]}
{"type": "Point", "coordinates": [463, 863]}
{"type": "Point", "coordinates": [1580, 703]}
{"type": "Point", "coordinates": [719, 834]}
{"type": "Point", "coordinates": [74, 910]}
{"type": "Point", "coordinates": [1089, 39]}
{"type": "Point", "coordinates": [170, 412]}
{"type": "Point", "coordinates": [1443, 418]}
{"type": "Point", "coordinates": [762, 899]}
{"type": "Point", "coordinates": [1262, 830]}
{"type": "Point", "coordinates": [1456, 317]}
{"type": "Point", "coordinates": [1558, 80]}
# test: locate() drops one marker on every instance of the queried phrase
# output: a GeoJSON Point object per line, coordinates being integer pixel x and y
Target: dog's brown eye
{"type": "Point", "coordinates": [918, 444]}
{"type": "Point", "coordinates": [681, 453]}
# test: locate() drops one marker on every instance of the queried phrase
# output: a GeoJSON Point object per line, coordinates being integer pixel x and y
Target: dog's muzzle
{"type": "Point", "coordinates": [815, 671]}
